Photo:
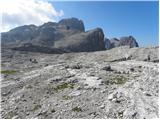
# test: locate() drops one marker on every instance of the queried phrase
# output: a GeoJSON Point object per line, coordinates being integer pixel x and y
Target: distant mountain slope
{"type": "Point", "coordinates": [123, 41]}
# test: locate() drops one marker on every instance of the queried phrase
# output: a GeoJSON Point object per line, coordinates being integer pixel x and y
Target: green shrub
{"type": "Point", "coordinates": [120, 80]}
{"type": "Point", "coordinates": [65, 97]}
{"type": "Point", "coordinates": [53, 110]}
{"type": "Point", "coordinates": [10, 115]}
{"type": "Point", "coordinates": [2, 65]}
{"type": "Point", "coordinates": [8, 71]}
{"type": "Point", "coordinates": [64, 86]}
{"type": "Point", "coordinates": [77, 109]}
{"type": "Point", "coordinates": [116, 80]}
{"type": "Point", "coordinates": [36, 107]}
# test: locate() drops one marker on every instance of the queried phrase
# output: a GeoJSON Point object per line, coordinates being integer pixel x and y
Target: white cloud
{"type": "Point", "coordinates": [22, 12]}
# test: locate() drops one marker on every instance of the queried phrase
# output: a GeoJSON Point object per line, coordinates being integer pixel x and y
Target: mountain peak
{"type": "Point", "coordinates": [72, 23]}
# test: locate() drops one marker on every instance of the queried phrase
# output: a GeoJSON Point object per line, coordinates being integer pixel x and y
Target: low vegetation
{"type": "Point", "coordinates": [8, 71]}
{"type": "Point", "coordinates": [36, 107]}
{"type": "Point", "coordinates": [64, 86]}
{"type": "Point", "coordinates": [2, 65]}
{"type": "Point", "coordinates": [77, 109]}
{"type": "Point", "coordinates": [10, 115]}
{"type": "Point", "coordinates": [65, 97]}
{"type": "Point", "coordinates": [120, 79]}
{"type": "Point", "coordinates": [53, 110]}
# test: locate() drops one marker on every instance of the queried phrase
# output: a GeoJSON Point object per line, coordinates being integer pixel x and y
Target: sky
{"type": "Point", "coordinates": [117, 19]}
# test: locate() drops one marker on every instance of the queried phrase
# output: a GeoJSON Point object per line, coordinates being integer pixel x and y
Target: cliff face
{"type": "Point", "coordinates": [68, 35]}
{"type": "Point", "coordinates": [83, 42]}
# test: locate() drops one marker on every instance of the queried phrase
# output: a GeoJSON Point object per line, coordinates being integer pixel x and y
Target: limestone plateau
{"type": "Point", "coordinates": [60, 71]}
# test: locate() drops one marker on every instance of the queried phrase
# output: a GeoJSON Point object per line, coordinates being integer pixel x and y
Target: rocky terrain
{"type": "Point", "coordinates": [117, 83]}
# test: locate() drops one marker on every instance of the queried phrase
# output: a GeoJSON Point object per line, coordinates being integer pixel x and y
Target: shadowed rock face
{"type": "Point", "coordinates": [107, 43]}
{"type": "Point", "coordinates": [83, 42]}
{"type": "Point", "coordinates": [68, 35]}
{"type": "Point", "coordinates": [123, 41]}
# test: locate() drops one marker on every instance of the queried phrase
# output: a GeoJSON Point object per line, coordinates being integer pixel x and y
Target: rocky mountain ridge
{"type": "Point", "coordinates": [123, 41]}
{"type": "Point", "coordinates": [68, 35]}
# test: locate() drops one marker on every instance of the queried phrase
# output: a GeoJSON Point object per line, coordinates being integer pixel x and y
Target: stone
{"type": "Point", "coordinates": [75, 93]}
{"type": "Point", "coordinates": [110, 97]}
{"type": "Point", "coordinates": [55, 79]}
{"type": "Point", "coordinates": [102, 106]}
{"type": "Point", "coordinates": [76, 66]}
{"type": "Point", "coordinates": [103, 91]}
{"type": "Point", "coordinates": [132, 69]}
{"type": "Point", "coordinates": [107, 68]}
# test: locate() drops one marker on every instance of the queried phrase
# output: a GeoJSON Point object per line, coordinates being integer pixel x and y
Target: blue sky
{"type": "Point", "coordinates": [139, 19]}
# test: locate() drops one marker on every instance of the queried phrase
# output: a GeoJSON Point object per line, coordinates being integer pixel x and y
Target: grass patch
{"type": "Point", "coordinates": [77, 109]}
{"type": "Point", "coordinates": [116, 80]}
{"type": "Point", "coordinates": [2, 65]}
{"type": "Point", "coordinates": [65, 97]}
{"type": "Point", "coordinates": [64, 86]}
{"type": "Point", "coordinates": [36, 107]}
{"type": "Point", "coordinates": [8, 71]}
{"type": "Point", "coordinates": [120, 80]}
{"type": "Point", "coordinates": [10, 115]}
{"type": "Point", "coordinates": [120, 115]}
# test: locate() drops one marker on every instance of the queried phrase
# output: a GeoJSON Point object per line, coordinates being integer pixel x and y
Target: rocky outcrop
{"type": "Point", "coordinates": [68, 35]}
{"type": "Point", "coordinates": [123, 41]}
